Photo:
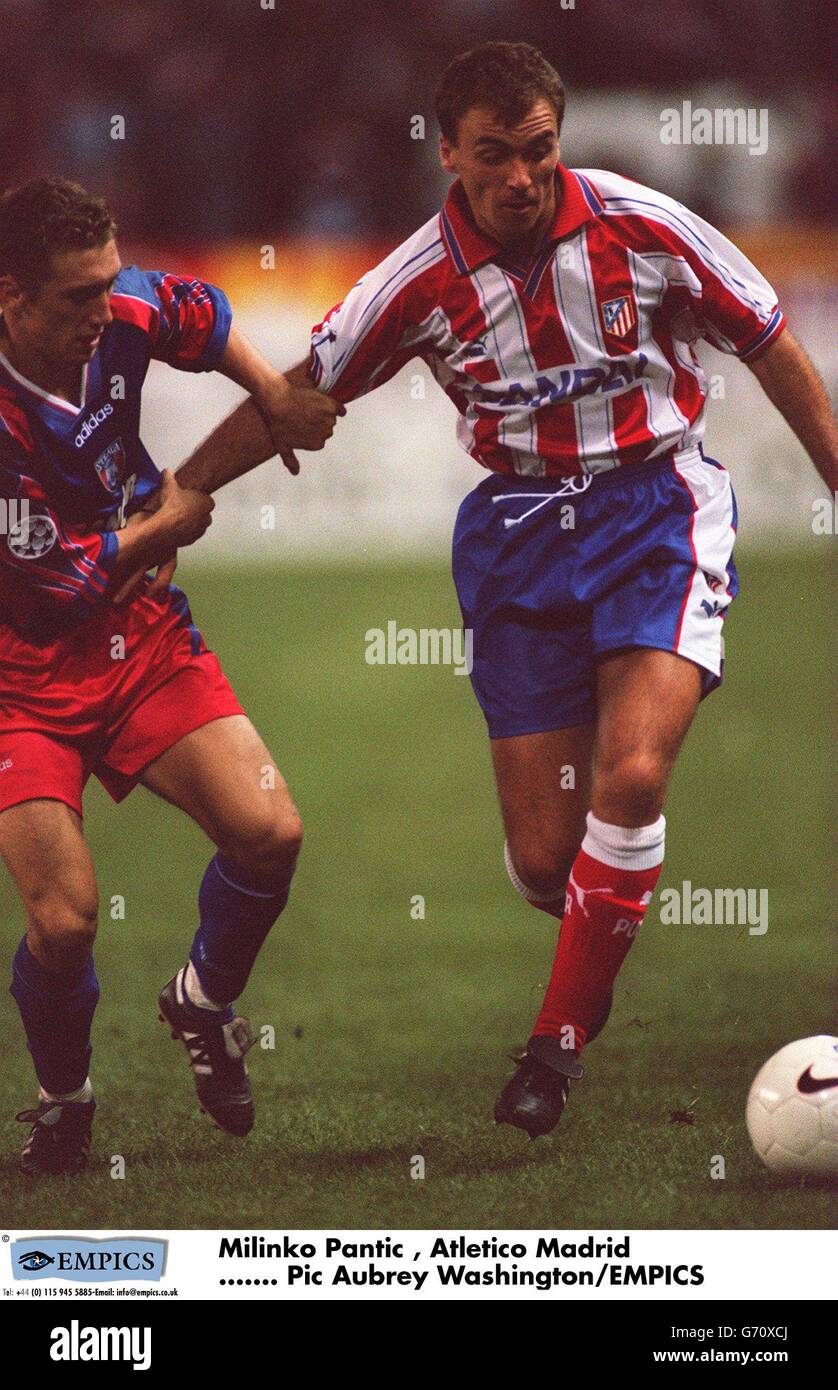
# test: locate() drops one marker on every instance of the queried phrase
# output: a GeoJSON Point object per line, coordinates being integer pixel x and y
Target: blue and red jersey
{"type": "Point", "coordinates": [70, 475]}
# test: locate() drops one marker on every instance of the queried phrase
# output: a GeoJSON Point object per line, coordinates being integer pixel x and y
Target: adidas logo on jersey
{"type": "Point", "coordinates": [92, 422]}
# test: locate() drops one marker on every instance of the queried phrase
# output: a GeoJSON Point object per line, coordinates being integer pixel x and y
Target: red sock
{"type": "Point", "coordinates": [610, 886]}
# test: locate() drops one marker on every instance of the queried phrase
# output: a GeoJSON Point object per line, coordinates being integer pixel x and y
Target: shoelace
{"type": "Point", "coordinates": [33, 1117]}
{"type": "Point", "coordinates": [201, 1045]}
{"type": "Point", "coordinates": [199, 1050]}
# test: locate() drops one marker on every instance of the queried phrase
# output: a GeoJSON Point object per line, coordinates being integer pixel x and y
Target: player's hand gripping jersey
{"type": "Point", "coordinates": [85, 685]}
{"type": "Point", "coordinates": [575, 378]}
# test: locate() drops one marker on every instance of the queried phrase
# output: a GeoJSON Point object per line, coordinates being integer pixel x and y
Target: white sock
{"type": "Point", "coordinates": [624, 847]}
{"type": "Point", "coordinates": [521, 887]}
{"type": "Point", "coordinates": [194, 992]}
{"type": "Point", "coordinates": [83, 1093]}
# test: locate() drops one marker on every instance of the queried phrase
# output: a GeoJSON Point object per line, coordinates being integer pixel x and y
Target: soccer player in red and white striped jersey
{"type": "Point", "coordinates": [559, 308]}
{"type": "Point", "coordinates": [573, 360]}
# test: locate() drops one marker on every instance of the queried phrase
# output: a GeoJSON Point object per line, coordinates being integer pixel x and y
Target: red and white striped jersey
{"type": "Point", "coordinates": [581, 360]}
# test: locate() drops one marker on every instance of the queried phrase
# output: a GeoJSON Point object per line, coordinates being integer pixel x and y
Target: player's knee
{"type": "Point", "coordinates": [631, 788]}
{"type": "Point", "coordinates": [266, 849]}
{"type": "Point", "coordinates": [62, 929]}
{"type": "Point", "coordinates": [540, 867]}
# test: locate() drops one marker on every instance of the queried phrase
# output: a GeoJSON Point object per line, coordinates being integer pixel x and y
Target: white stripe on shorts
{"type": "Point", "coordinates": [699, 636]}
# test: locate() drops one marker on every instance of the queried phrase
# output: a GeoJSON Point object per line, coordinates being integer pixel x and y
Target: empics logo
{"type": "Point", "coordinates": [92, 422]}
{"type": "Point", "coordinates": [75, 1343]}
{"type": "Point", "coordinates": [88, 1261]}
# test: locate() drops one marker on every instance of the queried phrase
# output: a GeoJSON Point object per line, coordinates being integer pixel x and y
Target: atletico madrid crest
{"type": "Point", "coordinates": [618, 315]}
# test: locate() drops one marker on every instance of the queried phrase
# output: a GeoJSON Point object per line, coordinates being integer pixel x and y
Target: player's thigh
{"type": "Point", "coordinates": [544, 786]}
{"type": "Point", "coordinates": [646, 702]}
{"type": "Point", "coordinates": [44, 849]}
{"type": "Point", "coordinates": [223, 776]}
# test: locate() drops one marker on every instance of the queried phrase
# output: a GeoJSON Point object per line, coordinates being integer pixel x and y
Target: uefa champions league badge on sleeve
{"type": "Point", "coordinates": [33, 535]}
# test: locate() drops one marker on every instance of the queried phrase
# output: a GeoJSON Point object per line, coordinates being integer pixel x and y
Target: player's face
{"type": "Point", "coordinates": [62, 322]}
{"type": "Point", "coordinates": [508, 173]}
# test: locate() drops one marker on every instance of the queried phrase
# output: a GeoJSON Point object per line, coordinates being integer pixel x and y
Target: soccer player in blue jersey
{"type": "Point", "coordinates": [88, 508]}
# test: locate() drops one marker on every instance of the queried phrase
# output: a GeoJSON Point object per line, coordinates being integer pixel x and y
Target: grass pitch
{"type": "Point", "coordinates": [393, 1033]}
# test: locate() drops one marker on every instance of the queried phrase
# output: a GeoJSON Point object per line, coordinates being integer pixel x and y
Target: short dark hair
{"type": "Point", "coordinates": [506, 77]}
{"type": "Point", "coordinates": [45, 216]}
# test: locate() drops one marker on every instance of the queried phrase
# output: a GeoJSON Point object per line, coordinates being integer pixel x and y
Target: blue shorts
{"type": "Point", "coordinates": [646, 562]}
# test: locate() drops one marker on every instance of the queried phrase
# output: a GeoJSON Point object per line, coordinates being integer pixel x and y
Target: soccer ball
{"type": "Point", "coordinates": [792, 1110]}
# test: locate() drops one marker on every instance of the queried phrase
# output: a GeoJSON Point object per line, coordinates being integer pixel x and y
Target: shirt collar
{"type": "Point", "coordinates": [469, 247]}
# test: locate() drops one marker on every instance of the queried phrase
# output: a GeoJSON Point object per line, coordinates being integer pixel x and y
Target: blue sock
{"type": "Point", "coordinates": [235, 919]}
{"type": "Point", "coordinates": [57, 1013]}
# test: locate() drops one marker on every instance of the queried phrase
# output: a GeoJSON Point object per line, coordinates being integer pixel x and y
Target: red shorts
{"type": "Point", "coordinates": [107, 699]}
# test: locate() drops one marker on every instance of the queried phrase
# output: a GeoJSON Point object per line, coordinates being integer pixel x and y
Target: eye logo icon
{"type": "Point", "coordinates": [35, 1260]}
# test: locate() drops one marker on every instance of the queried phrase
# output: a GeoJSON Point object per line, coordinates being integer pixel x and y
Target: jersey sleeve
{"type": "Point", "coordinates": [187, 320]}
{"type": "Point", "coordinates": [49, 571]}
{"type": "Point", "coordinates": [380, 325]}
{"type": "Point", "coordinates": [737, 308]}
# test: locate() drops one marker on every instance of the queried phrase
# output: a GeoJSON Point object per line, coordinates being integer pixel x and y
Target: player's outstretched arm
{"type": "Point", "coordinates": [246, 438]}
{"type": "Point", "coordinates": [249, 436]}
{"type": "Point", "coordinates": [789, 379]}
{"type": "Point", "coordinates": [241, 442]}
{"type": "Point", "coordinates": [295, 414]}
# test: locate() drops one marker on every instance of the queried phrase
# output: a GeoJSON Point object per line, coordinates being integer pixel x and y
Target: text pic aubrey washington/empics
{"type": "Point", "coordinates": [461, 1261]}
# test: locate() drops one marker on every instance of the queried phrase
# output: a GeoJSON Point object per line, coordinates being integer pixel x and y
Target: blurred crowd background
{"type": "Point", "coordinates": [291, 126]}
{"type": "Point", "coordinates": [242, 118]}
